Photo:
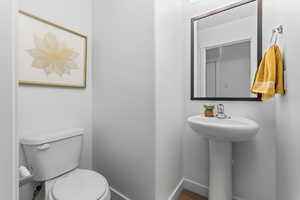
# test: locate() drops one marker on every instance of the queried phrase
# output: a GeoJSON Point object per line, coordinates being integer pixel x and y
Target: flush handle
{"type": "Point", "coordinates": [43, 147]}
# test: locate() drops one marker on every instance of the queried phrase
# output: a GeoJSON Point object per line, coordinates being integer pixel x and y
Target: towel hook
{"type": "Point", "coordinates": [276, 31]}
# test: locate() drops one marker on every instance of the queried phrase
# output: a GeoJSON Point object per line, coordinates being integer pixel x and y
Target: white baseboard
{"type": "Point", "coordinates": [237, 198]}
{"type": "Point", "coordinates": [119, 194]}
{"type": "Point", "coordinates": [175, 194]}
{"type": "Point", "coordinates": [193, 187]}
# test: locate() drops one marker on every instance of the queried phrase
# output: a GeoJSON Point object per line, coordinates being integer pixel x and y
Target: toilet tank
{"type": "Point", "coordinates": [49, 155]}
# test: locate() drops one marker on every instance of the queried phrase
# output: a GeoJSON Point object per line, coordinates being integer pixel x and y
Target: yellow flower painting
{"type": "Point", "coordinates": [52, 56]}
{"type": "Point", "coordinates": [49, 54]}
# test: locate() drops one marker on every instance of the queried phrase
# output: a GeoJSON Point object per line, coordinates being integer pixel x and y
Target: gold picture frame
{"type": "Point", "coordinates": [67, 69]}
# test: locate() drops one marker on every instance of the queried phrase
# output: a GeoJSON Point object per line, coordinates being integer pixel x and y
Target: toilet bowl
{"type": "Point", "coordinates": [54, 158]}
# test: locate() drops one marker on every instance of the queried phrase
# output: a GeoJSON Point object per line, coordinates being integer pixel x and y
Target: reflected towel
{"type": "Point", "coordinates": [269, 77]}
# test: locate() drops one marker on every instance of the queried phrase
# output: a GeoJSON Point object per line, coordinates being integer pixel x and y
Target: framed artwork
{"type": "Point", "coordinates": [49, 54]}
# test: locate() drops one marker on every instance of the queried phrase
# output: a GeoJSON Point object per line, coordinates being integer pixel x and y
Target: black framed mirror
{"type": "Point", "coordinates": [226, 48]}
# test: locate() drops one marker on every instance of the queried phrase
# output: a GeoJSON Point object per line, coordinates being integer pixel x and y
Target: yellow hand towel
{"type": "Point", "coordinates": [269, 77]}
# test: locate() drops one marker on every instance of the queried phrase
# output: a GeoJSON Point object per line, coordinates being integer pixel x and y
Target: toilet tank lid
{"type": "Point", "coordinates": [47, 137]}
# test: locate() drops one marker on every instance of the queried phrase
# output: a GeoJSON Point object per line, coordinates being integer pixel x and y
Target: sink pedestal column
{"type": "Point", "coordinates": [220, 170]}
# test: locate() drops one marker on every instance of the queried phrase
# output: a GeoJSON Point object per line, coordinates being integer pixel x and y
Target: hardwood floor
{"type": "Point", "coordinates": [187, 195]}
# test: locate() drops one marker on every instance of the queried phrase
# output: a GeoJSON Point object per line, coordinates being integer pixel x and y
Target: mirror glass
{"type": "Point", "coordinates": [225, 52]}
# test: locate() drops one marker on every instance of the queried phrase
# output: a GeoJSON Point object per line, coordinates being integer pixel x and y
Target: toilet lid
{"type": "Point", "coordinates": [80, 185]}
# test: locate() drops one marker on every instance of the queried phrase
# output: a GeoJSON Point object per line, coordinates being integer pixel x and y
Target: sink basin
{"type": "Point", "coordinates": [221, 133]}
{"type": "Point", "coordinates": [232, 129]}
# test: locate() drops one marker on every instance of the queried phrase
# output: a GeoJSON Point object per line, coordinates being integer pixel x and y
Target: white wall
{"type": "Point", "coordinates": [254, 161]}
{"type": "Point", "coordinates": [7, 167]}
{"type": "Point", "coordinates": [138, 85]}
{"type": "Point", "coordinates": [169, 96]}
{"type": "Point", "coordinates": [287, 107]}
{"type": "Point", "coordinates": [51, 108]}
{"type": "Point", "coordinates": [124, 95]}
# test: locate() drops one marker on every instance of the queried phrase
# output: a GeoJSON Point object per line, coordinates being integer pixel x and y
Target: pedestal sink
{"type": "Point", "coordinates": [221, 133]}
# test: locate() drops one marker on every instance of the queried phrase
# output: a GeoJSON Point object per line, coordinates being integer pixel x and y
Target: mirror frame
{"type": "Point", "coordinates": [259, 48]}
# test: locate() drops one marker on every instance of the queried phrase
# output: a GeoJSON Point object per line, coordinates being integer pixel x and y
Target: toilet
{"type": "Point", "coordinates": [53, 159]}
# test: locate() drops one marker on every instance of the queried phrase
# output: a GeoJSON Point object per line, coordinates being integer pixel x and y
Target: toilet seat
{"type": "Point", "coordinates": [80, 185]}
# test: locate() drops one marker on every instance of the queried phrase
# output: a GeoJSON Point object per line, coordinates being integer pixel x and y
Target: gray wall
{"type": "Point", "coordinates": [7, 167]}
{"type": "Point", "coordinates": [124, 109]}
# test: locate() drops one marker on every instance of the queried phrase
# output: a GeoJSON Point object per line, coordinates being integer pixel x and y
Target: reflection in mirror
{"type": "Point", "coordinates": [225, 52]}
{"type": "Point", "coordinates": [228, 70]}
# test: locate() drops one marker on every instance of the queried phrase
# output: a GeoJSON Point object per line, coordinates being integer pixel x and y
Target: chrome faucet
{"type": "Point", "coordinates": [220, 112]}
